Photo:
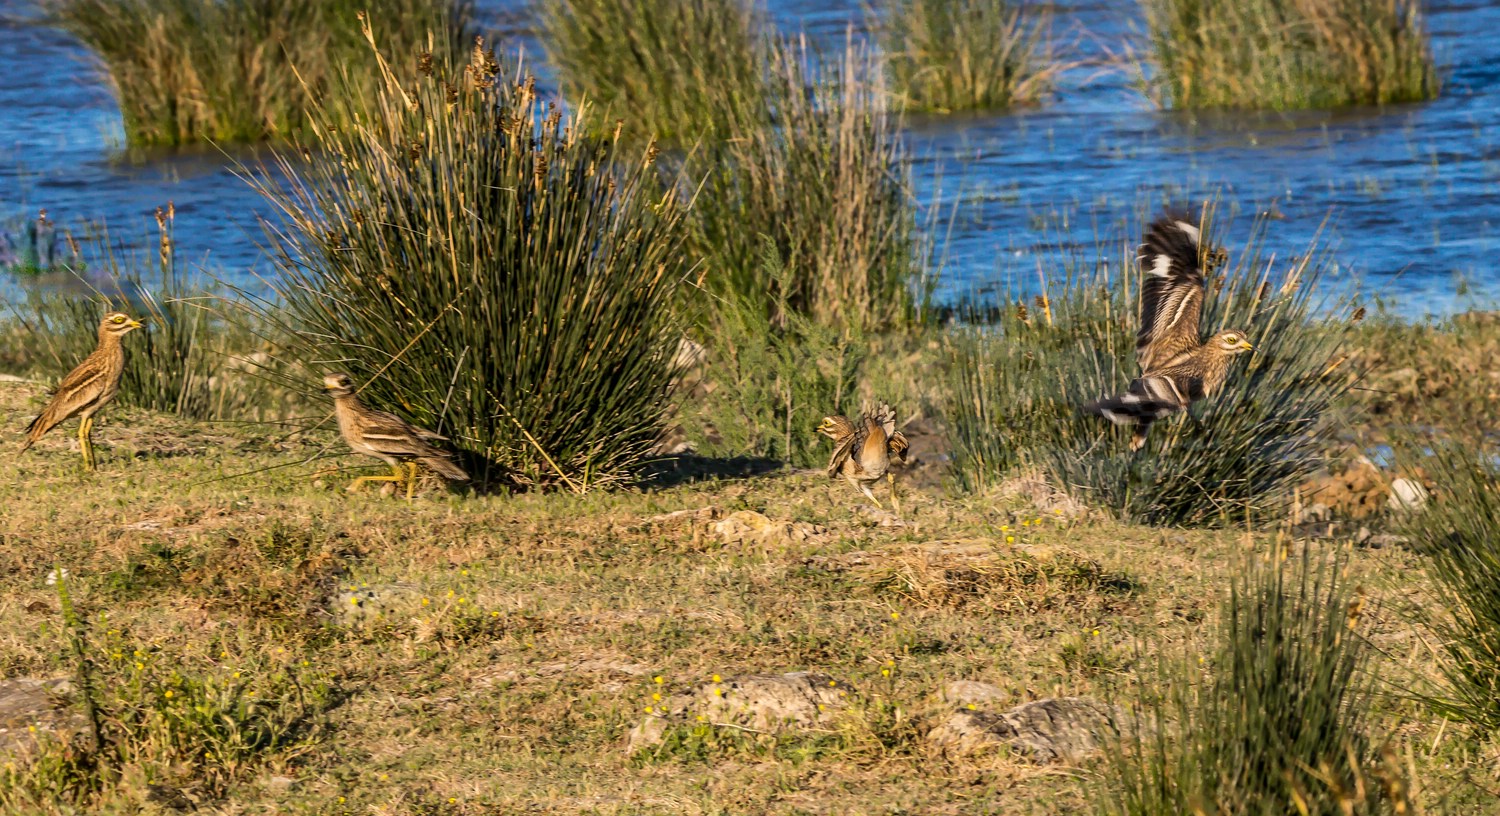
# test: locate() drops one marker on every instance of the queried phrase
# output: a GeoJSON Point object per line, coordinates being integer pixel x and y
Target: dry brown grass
{"type": "Point", "coordinates": [521, 635]}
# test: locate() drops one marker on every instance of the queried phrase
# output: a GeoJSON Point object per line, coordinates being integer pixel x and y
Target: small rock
{"type": "Point", "coordinates": [748, 526]}
{"type": "Point", "coordinates": [1042, 495]}
{"type": "Point", "coordinates": [31, 707]}
{"type": "Point", "coordinates": [364, 604]}
{"type": "Point", "coordinates": [769, 703]}
{"type": "Point", "coordinates": [1044, 731]}
{"type": "Point", "coordinates": [1407, 494]}
{"type": "Point", "coordinates": [964, 692]}
{"type": "Point", "coordinates": [280, 784]}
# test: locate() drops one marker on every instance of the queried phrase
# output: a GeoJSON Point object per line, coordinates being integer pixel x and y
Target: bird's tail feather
{"type": "Point", "coordinates": [1130, 409]}
{"type": "Point", "coordinates": [444, 467]}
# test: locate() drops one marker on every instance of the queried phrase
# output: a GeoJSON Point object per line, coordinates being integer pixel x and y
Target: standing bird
{"type": "Point", "coordinates": [87, 388]}
{"type": "Point", "coordinates": [1177, 369]}
{"type": "Point", "coordinates": [862, 451]}
{"type": "Point", "coordinates": [388, 438]}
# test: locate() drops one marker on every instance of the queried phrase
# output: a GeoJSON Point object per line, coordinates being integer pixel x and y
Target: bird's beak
{"type": "Point", "coordinates": [1245, 344]}
{"type": "Point", "coordinates": [134, 324]}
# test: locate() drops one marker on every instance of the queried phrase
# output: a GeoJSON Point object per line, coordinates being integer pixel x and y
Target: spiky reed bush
{"type": "Point", "coordinates": [679, 70]}
{"type": "Point", "coordinates": [187, 361]}
{"type": "Point", "coordinates": [239, 70]}
{"type": "Point", "coordinates": [951, 55]}
{"type": "Point", "coordinates": [1273, 720]}
{"type": "Point", "coordinates": [1459, 530]}
{"type": "Point", "coordinates": [486, 268]}
{"type": "Point", "coordinates": [827, 182]}
{"type": "Point", "coordinates": [1016, 386]}
{"type": "Point", "coordinates": [1283, 54]}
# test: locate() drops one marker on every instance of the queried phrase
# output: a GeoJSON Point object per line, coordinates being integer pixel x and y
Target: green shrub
{"type": "Point", "coordinates": [1284, 54]}
{"type": "Point", "coordinates": [771, 386]}
{"type": "Point", "coordinates": [1459, 530]}
{"type": "Point", "coordinates": [1274, 720]}
{"type": "Point", "coordinates": [487, 269]}
{"type": "Point", "coordinates": [950, 55]}
{"type": "Point", "coordinates": [678, 69]}
{"type": "Point", "coordinates": [241, 70]}
{"type": "Point", "coordinates": [828, 185]}
{"type": "Point", "coordinates": [1016, 387]}
{"type": "Point", "coordinates": [188, 361]}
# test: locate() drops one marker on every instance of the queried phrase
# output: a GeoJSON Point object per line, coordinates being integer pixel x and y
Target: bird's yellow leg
{"type": "Point", "coordinates": [895, 500]}
{"type": "Point", "coordinates": [86, 441]}
{"type": "Point", "coordinates": [411, 479]}
{"type": "Point", "coordinates": [866, 489]}
{"type": "Point", "coordinates": [396, 476]}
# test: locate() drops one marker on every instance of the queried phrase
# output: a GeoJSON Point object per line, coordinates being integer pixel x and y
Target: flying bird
{"type": "Point", "coordinates": [388, 438]}
{"type": "Point", "coordinates": [1177, 368]}
{"type": "Point", "coordinates": [87, 388]}
{"type": "Point", "coordinates": [862, 450]}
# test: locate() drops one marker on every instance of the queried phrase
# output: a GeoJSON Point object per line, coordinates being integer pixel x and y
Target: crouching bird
{"type": "Point", "coordinates": [388, 438]}
{"type": "Point", "coordinates": [1177, 368]}
{"type": "Point", "coordinates": [87, 388]}
{"type": "Point", "coordinates": [862, 450]}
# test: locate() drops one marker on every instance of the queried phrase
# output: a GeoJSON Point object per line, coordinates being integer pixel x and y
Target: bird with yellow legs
{"type": "Point", "coordinates": [87, 388]}
{"type": "Point", "coordinates": [388, 438]}
{"type": "Point", "coordinates": [863, 450]}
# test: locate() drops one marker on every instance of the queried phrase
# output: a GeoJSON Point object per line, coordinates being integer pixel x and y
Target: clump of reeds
{"type": "Point", "coordinates": [950, 55]}
{"type": "Point", "coordinates": [679, 70]}
{"type": "Point", "coordinates": [487, 268]}
{"type": "Point", "coordinates": [188, 361]}
{"type": "Point", "coordinates": [1283, 54]}
{"type": "Point", "coordinates": [826, 181]}
{"type": "Point", "coordinates": [1274, 718]}
{"type": "Point", "coordinates": [1459, 530]}
{"type": "Point", "coordinates": [1018, 381]}
{"type": "Point", "coordinates": [239, 70]}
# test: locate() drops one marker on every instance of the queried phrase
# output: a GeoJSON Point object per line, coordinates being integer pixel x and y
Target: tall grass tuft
{"type": "Point", "coordinates": [1459, 530]}
{"type": "Point", "coordinates": [679, 70]}
{"type": "Point", "coordinates": [486, 268]}
{"type": "Point", "coordinates": [827, 182]}
{"type": "Point", "coordinates": [239, 70]}
{"type": "Point", "coordinates": [1274, 720]}
{"type": "Point", "coordinates": [1283, 54]}
{"type": "Point", "coordinates": [952, 55]}
{"type": "Point", "coordinates": [188, 361]}
{"type": "Point", "coordinates": [1016, 386]}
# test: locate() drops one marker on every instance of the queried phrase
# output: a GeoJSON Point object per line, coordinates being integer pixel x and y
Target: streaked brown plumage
{"type": "Point", "coordinates": [87, 388]}
{"type": "Point", "coordinates": [862, 450]}
{"type": "Point", "coordinates": [1177, 369]}
{"type": "Point", "coordinates": [388, 438]}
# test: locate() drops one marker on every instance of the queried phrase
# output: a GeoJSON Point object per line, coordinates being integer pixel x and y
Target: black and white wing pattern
{"type": "Point", "coordinates": [1171, 292]}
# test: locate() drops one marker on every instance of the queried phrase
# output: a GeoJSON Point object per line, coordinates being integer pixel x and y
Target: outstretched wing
{"type": "Point", "coordinates": [847, 437]}
{"type": "Point", "coordinates": [885, 417]}
{"type": "Point", "coordinates": [1171, 292]}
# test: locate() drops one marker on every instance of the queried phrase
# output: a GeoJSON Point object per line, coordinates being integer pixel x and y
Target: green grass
{"type": "Point", "coordinates": [1286, 54]}
{"type": "Point", "coordinates": [244, 70]}
{"type": "Point", "coordinates": [1016, 387]}
{"type": "Point", "coordinates": [520, 634]}
{"type": "Point", "coordinates": [828, 185]}
{"type": "Point", "coordinates": [679, 70]}
{"type": "Point", "coordinates": [954, 55]}
{"type": "Point", "coordinates": [1459, 531]}
{"type": "Point", "coordinates": [1276, 720]}
{"type": "Point", "coordinates": [485, 268]}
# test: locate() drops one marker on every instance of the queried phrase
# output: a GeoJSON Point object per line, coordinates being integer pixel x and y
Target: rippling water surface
{"type": "Point", "coordinates": [1412, 192]}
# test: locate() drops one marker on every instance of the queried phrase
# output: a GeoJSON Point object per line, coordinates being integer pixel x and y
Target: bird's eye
{"type": "Point", "coordinates": [117, 319]}
{"type": "Point", "coordinates": [1231, 338]}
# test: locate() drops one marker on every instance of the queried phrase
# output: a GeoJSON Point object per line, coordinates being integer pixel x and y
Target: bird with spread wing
{"type": "Point", "coordinates": [1177, 367]}
{"type": "Point", "coordinates": [388, 438]}
{"type": "Point", "coordinates": [862, 451]}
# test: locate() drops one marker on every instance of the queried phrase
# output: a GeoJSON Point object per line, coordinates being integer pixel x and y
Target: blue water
{"type": "Point", "coordinates": [1412, 192]}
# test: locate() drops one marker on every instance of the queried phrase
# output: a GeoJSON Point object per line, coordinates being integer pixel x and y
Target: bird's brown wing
{"type": "Point", "coordinates": [1171, 292]}
{"type": "Point", "coordinates": [80, 387]}
{"type": "Point", "coordinates": [885, 417]}
{"type": "Point", "coordinates": [844, 445]}
{"type": "Point", "coordinates": [394, 436]}
{"type": "Point", "coordinates": [898, 446]}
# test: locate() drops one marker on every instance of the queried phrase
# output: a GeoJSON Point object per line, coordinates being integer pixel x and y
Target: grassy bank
{"type": "Point", "coordinates": [954, 55]}
{"type": "Point", "coordinates": [244, 70]}
{"type": "Point", "coordinates": [1283, 54]}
